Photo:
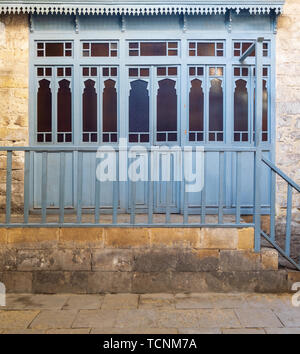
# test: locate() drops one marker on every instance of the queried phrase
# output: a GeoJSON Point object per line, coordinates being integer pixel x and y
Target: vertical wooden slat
{"type": "Point", "coordinates": [238, 188]}
{"type": "Point", "coordinates": [150, 192]}
{"type": "Point", "coordinates": [8, 186]}
{"type": "Point", "coordinates": [115, 201]}
{"type": "Point", "coordinates": [288, 221]}
{"type": "Point", "coordinates": [132, 202]}
{"type": "Point", "coordinates": [185, 204]}
{"type": "Point", "coordinates": [79, 186]}
{"type": "Point", "coordinates": [97, 199]}
{"type": "Point", "coordinates": [168, 201]}
{"type": "Point", "coordinates": [44, 186]}
{"type": "Point", "coordinates": [221, 187]}
{"type": "Point", "coordinates": [203, 193]}
{"type": "Point", "coordinates": [26, 186]}
{"type": "Point", "coordinates": [273, 211]}
{"type": "Point", "coordinates": [62, 187]}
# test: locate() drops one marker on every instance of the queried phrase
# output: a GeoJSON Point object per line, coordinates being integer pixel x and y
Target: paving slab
{"type": "Point", "coordinates": [217, 318]}
{"type": "Point", "coordinates": [162, 301]}
{"type": "Point", "coordinates": [199, 331]}
{"type": "Point", "coordinates": [43, 302]}
{"type": "Point", "coordinates": [14, 302]}
{"type": "Point", "coordinates": [134, 331]}
{"type": "Point", "coordinates": [83, 302]}
{"type": "Point", "coordinates": [120, 301]}
{"type": "Point", "coordinates": [69, 331]}
{"type": "Point", "coordinates": [54, 319]}
{"type": "Point", "coordinates": [16, 319]}
{"type": "Point", "coordinates": [229, 301]}
{"type": "Point", "coordinates": [271, 301]}
{"type": "Point", "coordinates": [24, 331]}
{"type": "Point", "coordinates": [283, 330]}
{"type": "Point", "coordinates": [95, 318]}
{"type": "Point", "coordinates": [142, 318]}
{"type": "Point", "coordinates": [243, 331]}
{"type": "Point", "coordinates": [194, 301]}
{"type": "Point", "coordinates": [289, 318]}
{"type": "Point", "coordinates": [257, 319]}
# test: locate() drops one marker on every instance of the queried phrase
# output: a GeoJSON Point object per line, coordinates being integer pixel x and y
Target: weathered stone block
{"type": "Point", "coordinates": [151, 282]}
{"type": "Point", "coordinates": [246, 239]}
{"type": "Point", "coordinates": [269, 258]}
{"type": "Point", "coordinates": [240, 261]}
{"type": "Point", "coordinates": [112, 260]}
{"type": "Point", "coordinates": [187, 282]}
{"type": "Point", "coordinates": [54, 259]}
{"type": "Point", "coordinates": [174, 237]}
{"type": "Point", "coordinates": [109, 282]}
{"type": "Point", "coordinates": [8, 259]}
{"type": "Point", "coordinates": [29, 238]}
{"type": "Point", "coordinates": [17, 282]}
{"type": "Point", "coordinates": [216, 238]}
{"type": "Point", "coordinates": [197, 260]}
{"type": "Point", "coordinates": [126, 237]}
{"type": "Point", "coordinates": [59, 282]}
{"type": "Point", "coordinates": [81, 237]}
{"type": "Point", "coordinates": [155, 260]}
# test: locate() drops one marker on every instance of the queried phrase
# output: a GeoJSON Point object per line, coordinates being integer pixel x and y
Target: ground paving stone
{"type": "Point", "coordinates": [16, 319]}
{"type": "Point", "coordinates": [205, 313]}
{"type": "Point", "coordinates": [54, 319]}
{"type": "Point", "coordinates": [165, 301]}
{"type": "Point", "coordinates": [120, 301]}
{"type": "Point", "coordinates": [83, 302]}
{"type": "Point", "coordinates": [260, 318]}
{"type": "Point", "coordinates": [95, 318]}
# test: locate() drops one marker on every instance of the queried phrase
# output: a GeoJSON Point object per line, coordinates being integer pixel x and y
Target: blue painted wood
{"type": "Point", "coordinates": [97, 199]}
{"type": "Point", "coordinates": [133, 202]}
{"type": "Point", "coordinates": [62, 187]}
{"type": "Point", "coordinates": [207, 28]}
{"type": "Point", "coordinates": [288, 221]}
{"type": "Point", "coordinates": [79, 186]}
{"type": "Point", "coordinates": [221, 187]}
{"type": "Point", "coordinates": [238, 188]}
{"type": "Point", "coordinates": [26, 185]}
{"type": "Point", "coordinates": [273, 206]}
{"type": "Point", "coordinates": [8, 186]}
{"type": "Point", "coordinates": [44, 186]}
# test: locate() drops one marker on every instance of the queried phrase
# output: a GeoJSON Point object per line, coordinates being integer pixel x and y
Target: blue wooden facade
{"type": "Point", "coordinates": [190, 51]}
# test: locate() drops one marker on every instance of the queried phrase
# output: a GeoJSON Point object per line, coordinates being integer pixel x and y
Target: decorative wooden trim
{"type": "Point", "coordinates": [145, 7]}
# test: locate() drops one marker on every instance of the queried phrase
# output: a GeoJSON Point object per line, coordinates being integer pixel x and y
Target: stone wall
{"type": "Point", "coordinates": [138, 260]}
{"type": "Point", "coordinates": [288, 100]}
{"type": "Point", "coordinates": [14, 65]}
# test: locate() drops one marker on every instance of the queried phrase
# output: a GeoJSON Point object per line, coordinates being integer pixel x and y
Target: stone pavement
{"type": "Point", "coordinates": [150, 314]}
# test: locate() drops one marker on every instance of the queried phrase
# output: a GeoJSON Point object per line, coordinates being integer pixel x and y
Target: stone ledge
{"type": "Point", "coordinates": [48, 282]}
{"type": "Point", "coordinates": [101, 237]}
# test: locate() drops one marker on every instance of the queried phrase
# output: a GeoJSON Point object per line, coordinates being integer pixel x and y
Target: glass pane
{"type": "Point", "coordinates": [109, 106]}
{"type": "Point", "coordinates": [206, 49]}
{"type": "Point", "coordinates": [100, 49]}
{"type": "Point", "coordinates": [64, 107]}
{"type": "Point", "coordinates": [54, 49]}
{"type": "Point", "coordinates": [240, 108]}
{"type": "Point", "coordinates": [196, 106]}
{"type": "Point", "coordinates": [153, 48]}
{"type": "Point", "coordinates": [139, 107]}
{"type": "Point", "coordinates": [215, 106]}
{"type": "Point", "coordinates": [166, 106]}
{"type": "Point", "coordinates": [89, 107]}
{"type": "Point", "coordinates": [44, 107]}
